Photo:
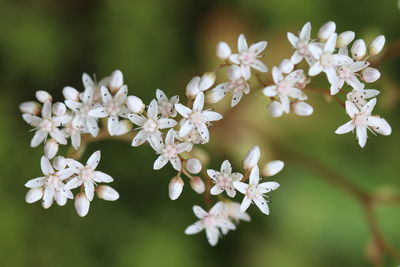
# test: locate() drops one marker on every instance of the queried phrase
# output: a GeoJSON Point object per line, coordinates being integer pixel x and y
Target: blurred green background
{"type": "Point", "coordinates": [46, 45]}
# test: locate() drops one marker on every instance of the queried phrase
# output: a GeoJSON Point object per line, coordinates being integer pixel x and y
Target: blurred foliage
{"type": "Point", "coordinates": [48, 44]}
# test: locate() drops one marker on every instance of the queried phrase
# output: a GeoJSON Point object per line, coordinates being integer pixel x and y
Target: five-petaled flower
{"type": "Point", "coordinates": [224, 179]}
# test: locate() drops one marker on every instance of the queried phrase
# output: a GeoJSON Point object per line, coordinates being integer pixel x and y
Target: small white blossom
{"type": "Point", "coordinates": [347, 72]}
{"type": "Point", "coordinates": [150, 126]}
{"type": "Point", "coordinates": [362, 120]}
{"type": "Point", "coordinates": [113, 107]}
{"type": "Point", "coordinates": [359, 97]}
{"type": "Point", "coordinates": [248, 56]}
{"type": "Point", "coordinates": [210, 222]}
{"type": "Point", "coordinates": [301, 44]}
{"type": "Point", "coordinates": [166, 107]}
{"type": "Point", "coordinates": [196, 118]}
{"type": "Point", "coordinates": [49, 187]}
{"type": "Point", "coordinates": [224, 179]}
{"type": "Point", "coordinates": [46, 125]}
{"type": "Point", "coordinates": [169, 151]}
{"type": "Point", "coordinates": [254, 191]}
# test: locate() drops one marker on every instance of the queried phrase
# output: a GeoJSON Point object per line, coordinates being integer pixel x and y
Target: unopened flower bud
{"type": "Point", "coordinates": [193, 165]}
{"type": "Point", "coordinates": [302, 108]}
{"type": "Point", "coordinates": [272, 168]}
{"type": "Point", "coordinates": [206, 81]}
{"type": "Point", "coordinates": [59, 162]}
{"type": "Point", "coordinates": [135, 104]}
{"type": "Point", "coordinates": [43, 96]}
{"type": "Point", "coordinates": [275, 109]}
{"type": "Point", "coordinates": [59, 109]}
{"type": "Point", "coordinates": [30, 107]}
{"type": "Point", "coordinates": [234, 73]}
{"type": "Point", "coordinates": [370, 75]}
{"type": "Point", "coordinates": [223, 50]}
{"type": "Point", "coordinates": [175, 187]}
{"type": "Point", "coordinates": [124, 127]}
{"type": "Point", "coordinates": [50, 148]}
{"type": "Point", "coordinates": [251, 158]}
{"type": "Point", "coordinates": [34, 194]}
{"type": "Point", "coordinates": [345, 38]}
{"type": "Point", "coordinates": [192, 88]}
{"type": "Point", "coordinates": [286, 66]}
{"type": "Point", "coordinates": [215, 95]}
{"type": "Point", "coordinates": [107, 193]}
{"type": "Point", "coordinates": [82, 204]}
{"type": "Point", "coordinates": [359, 49]}
{"type": "Point", "coordinates": [198, 185]}
{"type": "Point", "coordinates": [116, 80]}
{"type": "Point", "coordinates": [326, 30]}
{"type": "Point", "coordinates": [376, 46]}
{"type": "Point", "coordinates": [70, 93]}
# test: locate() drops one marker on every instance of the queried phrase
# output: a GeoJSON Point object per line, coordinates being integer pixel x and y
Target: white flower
{"type": "Point", "coordinates": [254, 191]}
{"type": "Point", "coordinates": [301, 44]}
{"type": "Point", "coordinates": [238, 85]}
{"type": "Point", "coordinates": [231, 211]}
{"type": "Point", "coordinates": [46, 125]}
{"type": "Point", "coordinates": [196, 118]}
{"type": "Point", "coordinates": [169, 151]}
{"type": "Point", "coordinates": [285, 87]}
{"type": "Point", "coordinates": [247, 56]}
{"type": "Point", "coordinates": [87, 175]}
{"type": "Point", "coordinates": [166, 107]}
{"type": "Point", "coordinates": [361, 120]}
{"type": "Point", "coordinates": [359, 97]}
{"type": "Point", "coordinates": [210, 222]}
{"type": "Point", "coordinates": [347, 72]}
{"type": "Point", "coordinates": [326, 61]}
{"type": "Point", "coordinates": [49, 187]}
{"type": "Point", "coordinates": [150, 126]}
{"type": "Point", "coordinates": [82, 120]}
{"type": "Point", "coordinates": [224, 179]}
{"type": "Point", "coordinates": [113, 106]}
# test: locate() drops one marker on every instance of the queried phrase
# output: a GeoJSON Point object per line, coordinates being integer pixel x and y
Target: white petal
{"type": "Point", "coordinates": [199, 212]}
{"type": "Point", "coordinates": [242, 44]}
{"type": "Point", "coordinates": [276, 75]}
{"type": "Point", "coordinates": [48, 197]}
{"type": "Point", "coordinates": [315, 51]}
{"type": "Point", "coordinates": [236, 98]}
{"type": "Point", "coordinates": [166, 123]}
{"type": "Point", "coordinates": [98, 112]}
{"type": "Point", "coordinates": [121, 95]}
{"type": "Point", "coordinates": [198, 102]}
{"type": "Point", "coordinates": [203, 131]}
{"type": "Point", "coordinates": [226, 167]}
{"type": "Point", "coordinates": [292, 39]}
{"type": "Point", "coordinates": [186, 128]}
{"type": "Point", "coordinates": [38, 138]}
{"type": "Point", "coordinates": [315, 69]}
{"type": "Point", "coordinates": [259, 65]}
{"type": "Point", "coordinates": [36, 182]}
{"type": "Point", "coordinates": [160, 162]}
{"type": "Point", "coordinates": [211, 115]}
{"type": "Point", "coordinates": [361, 133]}
{"type": "Point", "coordinates": [381, 125]}
{"type": "Point", "coordinates": [254, 175]}
{"type": "Point", "coordinates": [59, 136]}
{"type": "Point", "coordinates": [212, 236]}
{"type": "Point", "coordinates": [216, 190]}
{"type": "Point", "coordinates": [46, 166]}
{"type": "Point", "coordinates": [351, 109]}
{"type": "Point", "coordinates": [184, 111]}
{"type": "Point", "coordinates": [140, 138]}
{"type": "Point", "coordinates": [89, 190]}
{"type": "Point", "coordinates": [112, 125]}
{"type": "Point", "coordinates": [330, 43]}
{"type": "Point", "coordinates": [369, 106]}
{"type": "Point", "coordinates": [262, 204]}
{"type": "Point", "coordinates": [354, 82]}
{"type": "Point", "coordinates": [33, 195]}
{"type": "Point", "coordinates": [137, 119]}
{"type": "Point", "coordinates": [270, 91]}
{"type": "Point", "coordinates": [105, 95]}
{"type": "Point", "coordinates": [46, 110]}
{"type": "Point", "coordinates": [176, 163]}
{"type": "Point", "coordinates": [257, 48]}
{"type": "Point", "coordinates": [245, 204]}
{"type": "Point", "coordinates": [74, 183]}
{"type": "Point", "coordinates": [269, 186]}
{"type": "Point", "coordinates": [194, 228]}
{"type": "Point", "coordinates": [102, 177]}
{"type": "Point", "coordinates": [305, 32]}
{"type": "Point", "coordinates": [345, 128]}
{"type": "Point", "coordinates": [160, 95]}
{"type": "Point", "coordinates": [241, 187]}
{"type": "Point", "coordinates": [152, 110]}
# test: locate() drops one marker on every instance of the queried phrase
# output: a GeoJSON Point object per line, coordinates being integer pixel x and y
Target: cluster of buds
{"type": "Point", "coordinates": [172, 128]}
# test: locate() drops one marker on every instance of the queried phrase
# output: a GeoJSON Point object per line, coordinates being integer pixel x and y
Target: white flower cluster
{"type": "Point", "coordinates": [222, 216]}
{"type": "Point", "coordinates": [172, 128]}
{"type": "Point", "coordinates": [329, 54]}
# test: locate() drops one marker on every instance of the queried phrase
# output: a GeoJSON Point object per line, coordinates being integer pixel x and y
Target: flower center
{"type": "Point", "coordinates": [252, 191]}
{"type": "Point", "coordinates": [238, 85]}
{"type": "Point", "coordinates": [246, 58]}
{"type": "Point", "coordinates": [87, 174]}
{"type": "Point", "coordinates": [283, 88]}
{"type": "Point", "coordinates": [360, 120]}
{"type": "Point", "coordinates": [303, 48]}
{"type": "Point", "coordinates": [344, 72]}
{"type": "Point", "coordinates": [196, 117]}
{"type": "Point", "coordinates": [52, 180]}
{"type": "Point", "coordinates": [150, 126]}
{"type": "Point", "coordinates": [209, 221]}
{"type": "Point", "coordinates": [224, 181]}
{"type": "Point", "coordinates": [170, 151]}
{"type": "Point", "coordinates": [113, 108]}
{"type": "Point", "coordinates": [47, 125]}
{"type": "Point", "coordinates": [166, 108]}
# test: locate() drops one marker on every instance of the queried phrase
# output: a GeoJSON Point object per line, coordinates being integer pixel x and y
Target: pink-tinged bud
{"type": "Point", "coordinates": [198, 185]}
{"type": "Point", "coordinates": [272, 168]}
{"type": "Point", "coordinates": [326, 30]}
{"type": "Point", "coordinates": [59, 109]}
{"type": "Point", "coordinates": [345, 38]}
{"type": "Point", "coordinates": [302, 108]}
{"type": "Point", "coordinates": [34, 194]}
{"type": "Point", "coordinates": [192, 88]}
{"type": "Point", "coordinates": [30, 107]}
{"type": "Point", "coordinates": [82, 204]}
{"type": "Point", "coordinates": [359, 49]}
{"type": "Point", "coordinates": [275, 109]}
{"type": "Point", "coordinates": [107, 193]}
{"type": "Point", "coordinates": [124, 127]}
{"type": "Point", "coordinates": [50, 148]}
{"type": "Point", "coordinates": [376, 46]}
{"type": "Point", "coordinates": [59, 163]}
{"type": "Point", "coordinates": [116, 80]}
{"type": "Point", "coordinates": [70, 93]}
{"type": "Point", "coordinates": [135, 104]}
{"type": "Point", "coordinates": [251, 158]}
{"type": "Point", "coordinates": [206, 81]}
{"type": "Point", "coordinates": [234, 73]}
{"type": "Point", "coordinates": [370, 75]}
{"type": "Point", "coordinates": [175, 187]}
{"type": "Point", "coordinates": [286, 66]}
{"type": "Point", "coordinates": [193, 165]}
{"type": "Point", "coordinates": [223, 50]}
{"type": "Point", "coordinates": [43, 96]}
